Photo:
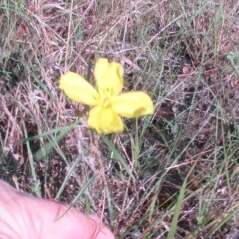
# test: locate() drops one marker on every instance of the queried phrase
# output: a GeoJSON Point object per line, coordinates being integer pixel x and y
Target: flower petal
{"type": "Point", "coordinates": [132, 104]}
{"type": "Point", "coordinates": [78, 89]}
{"type": "Point", "coordinates": [109, 77]}
{"type": "Point", "coordinates": [105, 120]}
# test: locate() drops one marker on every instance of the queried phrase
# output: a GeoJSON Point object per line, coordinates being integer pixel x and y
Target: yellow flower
{"type": "Point", "coordinates": [107, 102]}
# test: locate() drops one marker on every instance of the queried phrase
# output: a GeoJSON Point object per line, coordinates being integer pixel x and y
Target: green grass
{"type": "Point", "coordinates": [172, 175]}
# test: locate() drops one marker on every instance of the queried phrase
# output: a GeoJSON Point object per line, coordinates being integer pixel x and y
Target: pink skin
{"type": "Point", "coordinates": [23, 216]}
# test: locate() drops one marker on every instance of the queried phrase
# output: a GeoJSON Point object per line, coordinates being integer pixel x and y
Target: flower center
{"type": "Point", "coordinates": [105, 98]}
{"type": "Point", "coordinates": [105, 101]}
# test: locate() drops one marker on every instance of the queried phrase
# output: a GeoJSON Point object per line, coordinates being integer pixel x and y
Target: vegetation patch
{"type": "Point", "coordinates": [174, 174]}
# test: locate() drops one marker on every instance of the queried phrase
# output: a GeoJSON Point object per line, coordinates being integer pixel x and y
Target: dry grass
{"type": "Point", "coordinates": [185, 54]}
